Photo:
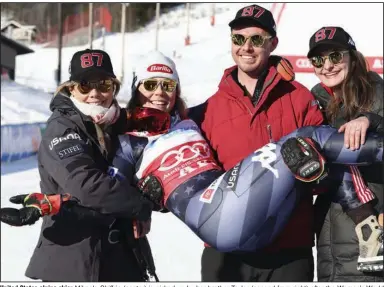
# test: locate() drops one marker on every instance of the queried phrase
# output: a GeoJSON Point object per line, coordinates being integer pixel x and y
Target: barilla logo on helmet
{"type": "Point", "coordinates": [159, 68]}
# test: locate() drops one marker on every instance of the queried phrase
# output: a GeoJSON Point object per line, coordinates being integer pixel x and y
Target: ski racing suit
{"type": "Point", "coordinates": [244, 208]}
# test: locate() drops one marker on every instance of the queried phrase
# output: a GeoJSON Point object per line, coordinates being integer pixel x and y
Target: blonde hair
{"type": "Point", "coordinates": [64, 87]}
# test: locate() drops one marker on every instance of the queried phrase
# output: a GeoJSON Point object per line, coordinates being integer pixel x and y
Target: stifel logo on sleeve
{"type": "Point", "coordinates": [67, 145]}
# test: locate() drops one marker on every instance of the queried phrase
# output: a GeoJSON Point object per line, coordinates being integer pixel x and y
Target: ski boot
{"type": "Point", "coordinates": [371, 241]}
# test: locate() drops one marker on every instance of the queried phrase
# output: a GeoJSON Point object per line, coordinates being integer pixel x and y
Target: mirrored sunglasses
{"type": "Point", "coordinates": [256, 40]}
{"type": "Point", "coordinates": [335, 58]}
{"type": "Point", "coordinates": [103, 85]}
{"type": "Point", "coordinates": [166, 85]}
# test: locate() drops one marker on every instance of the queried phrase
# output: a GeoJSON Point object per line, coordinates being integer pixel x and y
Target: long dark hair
{"type": "Point", "coordinates": [357, 90]}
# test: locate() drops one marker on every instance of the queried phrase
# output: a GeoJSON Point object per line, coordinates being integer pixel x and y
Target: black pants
{"type": "Point", "coordinates": [117, 261]}
{"type": "Point", "coordinates": [120, 267]}
{"type": "Point", "coordinates": [294, 265]}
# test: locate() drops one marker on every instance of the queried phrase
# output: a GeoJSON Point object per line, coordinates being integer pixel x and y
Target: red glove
{"type": "Point", "coordinates": [35, 205]}
{"type": "Point", "coordinates": [46, 204]}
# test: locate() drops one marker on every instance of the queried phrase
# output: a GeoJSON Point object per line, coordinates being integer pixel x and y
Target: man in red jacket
{"type": "Point", "coordinates": [258, 101]}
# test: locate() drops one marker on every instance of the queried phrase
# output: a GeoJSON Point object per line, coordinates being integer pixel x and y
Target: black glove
{"type": "Point", "coordinates": [35, 205]}
{"type": "Point", "coordinates": [303, 159]}
{"type": "Point", "coordinates": [19, 217]}
{"type": "Point", "coordinates": [152, 189]}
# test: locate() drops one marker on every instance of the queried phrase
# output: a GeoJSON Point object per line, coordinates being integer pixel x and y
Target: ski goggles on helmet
{"type": "Point", "coordinates": [334, 57]}
{"type": "Point", "coordinates": [256, 40]}
{"type": "Point", "coordinates": [148, 120]}
{"type": "Point", "coordinates": [103, 85]}
{"type": "Point", "coordinates": [167, 85]}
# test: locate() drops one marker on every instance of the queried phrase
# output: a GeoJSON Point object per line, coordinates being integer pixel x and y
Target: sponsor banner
{"type": "Point", "coordinates": [302, 64]}
{"type": "Point", "coordinates": [20, 141]}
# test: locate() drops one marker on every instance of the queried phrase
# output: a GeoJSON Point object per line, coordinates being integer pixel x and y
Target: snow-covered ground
{"type": "Point", "coordinates": [22, 104]}
{"type": "Point", "coordinates": [176, 250]}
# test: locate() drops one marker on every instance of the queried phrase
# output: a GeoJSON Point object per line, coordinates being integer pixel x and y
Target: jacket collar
{"type": "Point", "coordinates": [329, 90]}
{"type": "Point", "coordinates": [63, 103]}
{"type": "Point", "coordinates": [233, 90]}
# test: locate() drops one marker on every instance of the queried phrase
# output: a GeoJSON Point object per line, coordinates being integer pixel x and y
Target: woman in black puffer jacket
{"type": "Point", "coordinates": [351, 98]}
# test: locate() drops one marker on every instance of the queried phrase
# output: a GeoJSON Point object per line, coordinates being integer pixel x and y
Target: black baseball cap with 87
{"type": "Point", "coordinates": [256, 16]}
{"type": "Point", "coordinates": [328, 38]}
{"type": "Point", "coordinates": [87, 64]}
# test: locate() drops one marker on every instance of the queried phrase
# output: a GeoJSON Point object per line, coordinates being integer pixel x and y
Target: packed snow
{"type": "Point", "coordinates": [176, 249]}
{"type": "Point", "coordinates": [22, 104]}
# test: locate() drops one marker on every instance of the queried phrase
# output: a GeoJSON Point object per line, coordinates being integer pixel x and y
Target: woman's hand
{"type": "Point", "coordinates": [355, 132]}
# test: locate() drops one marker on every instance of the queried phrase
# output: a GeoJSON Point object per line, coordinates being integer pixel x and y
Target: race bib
{"type": "Point", "coordinates": [177, 157]}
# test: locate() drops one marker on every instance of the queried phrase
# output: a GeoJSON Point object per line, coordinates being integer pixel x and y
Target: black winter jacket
{"type": "Point", "coordinates": [71, 160]}
{"type": "Point", "coordinates": [337, 243]}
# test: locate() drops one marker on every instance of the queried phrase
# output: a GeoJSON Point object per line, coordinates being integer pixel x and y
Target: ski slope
{"type": "Point", "coordinates": [176, 249]}
{"type": "Point", "coordinates": [22, 104]}
{"type": "Point", "coordinates": [200, 65]}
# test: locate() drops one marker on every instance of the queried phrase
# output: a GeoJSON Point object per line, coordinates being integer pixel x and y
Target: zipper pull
{"type": "Point", "coordinates": [268, 127]}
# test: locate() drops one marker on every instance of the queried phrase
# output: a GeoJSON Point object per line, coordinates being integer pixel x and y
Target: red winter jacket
{"type": "Point", "coordinates": [235, 128]}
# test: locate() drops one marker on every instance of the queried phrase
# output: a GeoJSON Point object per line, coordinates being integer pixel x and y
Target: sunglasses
{"type": "Point", "coordinates": [103, 85]}
{"type": "Point", "coordinates": [334, 57]}
{"type": "Point", "coordinates": [152, 121]}
{"type": "Point", "coordinates": [166, 85]}
{"type": "Point", "coordinates": [256, 40]}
